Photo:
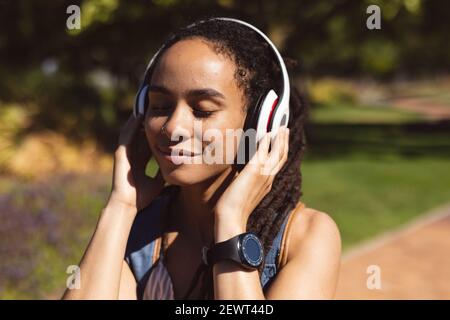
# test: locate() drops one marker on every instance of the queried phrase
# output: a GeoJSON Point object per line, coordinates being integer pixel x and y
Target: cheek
{"type": "Point", "coordinates": [223, 136]}
{"type": "Point", "coordinates": [152, 127]}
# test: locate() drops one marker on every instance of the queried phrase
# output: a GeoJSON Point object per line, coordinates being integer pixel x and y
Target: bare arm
{"type": "Point", "coordinates": [128, 285]}
{"type": "Point", "coordinates": [310, 273]}
{"type": "Point", "coordinates": [104, 274]}
{"type": "Point", "coordinates": [101, 265]}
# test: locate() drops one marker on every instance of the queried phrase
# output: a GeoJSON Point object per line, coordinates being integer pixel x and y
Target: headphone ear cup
{"type": "Point", "coordinates": [141, 102]}
{"type": "Point", "coordinates": [265, 114]}
{"type": "Point", "coordinates": [254, 114]}
{"type": "Point", "coordinates": [250, 123]}
{"type": "Point", "coordinates": [280, 116]}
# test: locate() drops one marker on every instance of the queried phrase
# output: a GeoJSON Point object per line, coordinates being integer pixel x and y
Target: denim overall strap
{"type": "Point", "coordinates": [270, 261]}
{"type": "Point", "coordinates": [273, 257]}
{"type": "Point", "coordinates": [142, 242]}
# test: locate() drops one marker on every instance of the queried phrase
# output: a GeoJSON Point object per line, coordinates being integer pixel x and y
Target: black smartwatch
{"type": "Point", "coordinates": [245, 249]}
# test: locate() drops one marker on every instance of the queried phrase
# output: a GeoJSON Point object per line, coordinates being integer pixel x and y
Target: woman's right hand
{"type": "Point", "coordinates": [130, 185]}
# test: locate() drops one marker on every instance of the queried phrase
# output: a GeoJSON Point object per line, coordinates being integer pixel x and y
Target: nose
{"type": "Point", "coordinates": [179, 125]}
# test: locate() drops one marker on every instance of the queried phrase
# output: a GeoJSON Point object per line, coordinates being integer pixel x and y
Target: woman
{"type": "Point", "coordinates": [210, 74]}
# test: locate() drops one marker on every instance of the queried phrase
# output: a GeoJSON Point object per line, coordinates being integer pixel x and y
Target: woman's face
{"type": "Point", "coordinates": [194, 95]}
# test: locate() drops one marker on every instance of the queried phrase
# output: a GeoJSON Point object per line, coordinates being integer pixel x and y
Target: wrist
{"type": "Point", "coordinates": [121, 207]}
{"type": "Point", "coordinates": [116, 215]}
{"type": "Point", "coordinates": [228, 227]}
{"type": "Point", "coordinates": [117, 202]}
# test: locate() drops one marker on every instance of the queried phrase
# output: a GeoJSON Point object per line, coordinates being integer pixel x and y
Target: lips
{"type": "Point", "coordinates": [176, 156]}
{"type": "Point", "coordinates": [176, 152]}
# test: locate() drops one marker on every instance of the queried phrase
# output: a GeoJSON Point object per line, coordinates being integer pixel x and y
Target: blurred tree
{"type": "Point", "coordinates": [82, 82]}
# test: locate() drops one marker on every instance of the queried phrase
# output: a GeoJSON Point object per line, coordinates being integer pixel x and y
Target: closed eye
{"type": "Point", "coordinates": [202, 114]}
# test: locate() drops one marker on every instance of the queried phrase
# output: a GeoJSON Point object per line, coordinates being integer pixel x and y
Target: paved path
{"type": "Point", "coordinates": [414, 262]}
{"type": "Point", "coordinates": [431, 110]}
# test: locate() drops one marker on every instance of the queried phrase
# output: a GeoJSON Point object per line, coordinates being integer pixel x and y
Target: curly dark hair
{"type": "Point", "coordinates": [257, 71]}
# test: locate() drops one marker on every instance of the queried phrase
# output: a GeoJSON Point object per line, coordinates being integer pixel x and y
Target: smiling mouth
{"type": "Point", "coordinates": [177, 153]}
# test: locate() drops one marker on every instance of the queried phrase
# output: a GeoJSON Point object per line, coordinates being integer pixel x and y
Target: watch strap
{"type": "Point", "coordinates": [225, 250]}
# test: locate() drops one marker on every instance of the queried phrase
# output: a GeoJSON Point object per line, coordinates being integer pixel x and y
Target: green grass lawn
{"type": "Point", "coordinates": [369, 196]}
{"type": "Point", "coordinates": [341, 112]}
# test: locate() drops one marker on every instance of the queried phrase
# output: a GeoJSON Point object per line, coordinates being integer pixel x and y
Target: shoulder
{"type": "Point", "coordinates": [312, 229]}
{"type": "Point", "coordinates": [312, 261]}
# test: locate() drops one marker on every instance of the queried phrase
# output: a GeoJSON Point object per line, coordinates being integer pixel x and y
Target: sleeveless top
{"type": "Point", "coordinates": [143, 251]}
{"type": "Point", "coordinates": [159, 284]}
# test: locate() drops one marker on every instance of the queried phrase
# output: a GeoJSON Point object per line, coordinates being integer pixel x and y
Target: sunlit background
{"type": "Point", "coordinates": [378, 133]}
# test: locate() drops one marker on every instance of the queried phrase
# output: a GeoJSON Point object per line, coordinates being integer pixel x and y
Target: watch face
{"type": "Point", "coordinates": [252, 250]}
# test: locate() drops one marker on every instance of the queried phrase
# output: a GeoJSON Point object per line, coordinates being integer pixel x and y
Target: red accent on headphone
{"type": "Point", "coordinates": [271, 112]}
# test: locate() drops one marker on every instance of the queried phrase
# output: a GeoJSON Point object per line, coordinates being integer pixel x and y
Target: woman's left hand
{"type": "Point", "coordinates": [250, 186]}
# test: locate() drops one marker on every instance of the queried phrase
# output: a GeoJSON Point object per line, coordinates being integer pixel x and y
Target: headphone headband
{"type": "Point", "coordinates": [283, 100]}
{"type": "Point", "coordinates": [286, 90]}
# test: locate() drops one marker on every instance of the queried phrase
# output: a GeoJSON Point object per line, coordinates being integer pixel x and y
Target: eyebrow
{"type": "Point", "coordinates": [200, 93]}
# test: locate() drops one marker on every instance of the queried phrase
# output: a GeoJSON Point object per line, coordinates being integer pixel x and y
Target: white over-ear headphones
{"type": "Point", "coordinates": [270, 113]}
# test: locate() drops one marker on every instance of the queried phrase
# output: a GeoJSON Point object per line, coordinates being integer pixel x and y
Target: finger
{"type": "Point", "coordinates": [276, 152]}
{"type": "Point", "coordinates": [141, 149]}
{"type": "Point", "coordinates": [284, 155]}
{"type": "Point", "coordinates": [263, 149]}
{"type": "Point", "coordinates": [137, 149]}
{"type": "Point", "coordinates": [120, 157]}
{"type": "Point", "coordinates": [142, 146]}
{"type": "Point", "coordinates": [129, 129]}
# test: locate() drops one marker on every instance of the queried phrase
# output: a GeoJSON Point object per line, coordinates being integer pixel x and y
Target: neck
{"type": "Point", "coordinates": [194, 207]}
